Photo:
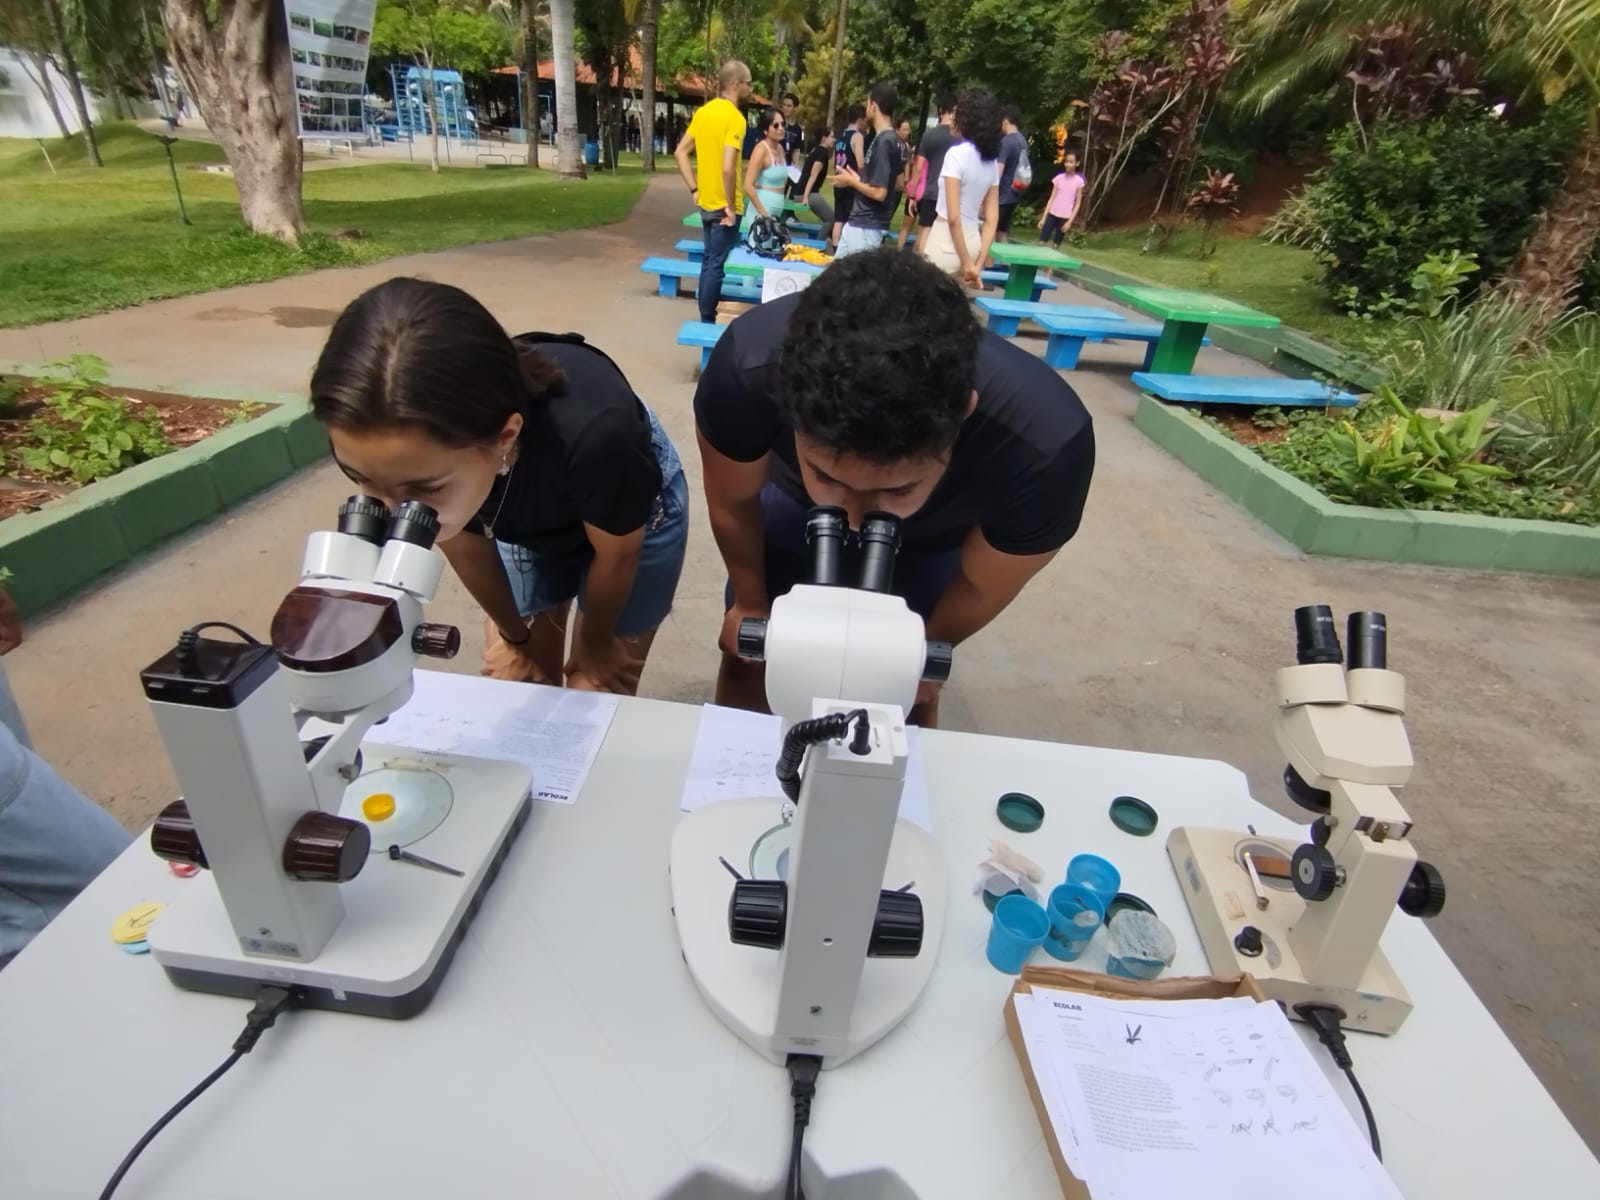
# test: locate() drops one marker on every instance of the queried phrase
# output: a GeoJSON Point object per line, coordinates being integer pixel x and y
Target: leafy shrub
{"type": "Point", "coordinates": [1386, 455]}
{"type": "Point", "coordinates": [1457, 360]}
{"type": "Point", "coordinates": [1556, 427]}
{"type": "Point", "coordinates": [1467, 181]}
{"type": "Point", "coordinates": [93, 435]}
{"type": "Point", "coordinates": [1299, 220]}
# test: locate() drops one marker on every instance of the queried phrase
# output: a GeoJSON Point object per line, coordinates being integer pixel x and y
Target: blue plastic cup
{"type": "Point", "coordinates": [1019, 925]}
{"type": "Point", "coordinates": [1075, 913]}
{"type": "Point", "coordinates": [1096, 874]}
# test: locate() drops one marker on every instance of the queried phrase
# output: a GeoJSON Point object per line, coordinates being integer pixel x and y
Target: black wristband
{"type": "Point", "coordinates": [527, 636]}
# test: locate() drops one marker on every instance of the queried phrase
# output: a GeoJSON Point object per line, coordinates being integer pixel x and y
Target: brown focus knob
{"type": "Point", "coordinates": [436, 641]}
{"type": "Point", "coordinates": [174, 837]}
{"type": "Point", "coordinates": [323, 848]}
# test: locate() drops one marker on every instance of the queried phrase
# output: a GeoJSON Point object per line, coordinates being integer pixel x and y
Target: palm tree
{"type": "Point", "coordinates": [1538, 47]}
{"type": "Point", "coordinates": [521, 19]}
{"type": "Point", "coordinates": [569, 142]}
{"type": "Point", "coordinates": [838, 64]}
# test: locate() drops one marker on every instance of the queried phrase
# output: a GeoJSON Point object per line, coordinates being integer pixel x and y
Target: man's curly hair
{"type": "Point", "coordinates": [880, 358]}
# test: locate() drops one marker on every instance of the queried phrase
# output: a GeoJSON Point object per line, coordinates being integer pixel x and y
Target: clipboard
{"type": "Point", "coordinates": [1195, 987]}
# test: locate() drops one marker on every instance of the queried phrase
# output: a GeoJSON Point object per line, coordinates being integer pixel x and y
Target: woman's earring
{"type": "Point", "coordinates": [505, 467]}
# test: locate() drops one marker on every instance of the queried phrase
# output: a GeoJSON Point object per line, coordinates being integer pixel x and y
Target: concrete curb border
{"type": "Point", "coordinates": [58, 551]}
{"type": "Point", "coordinates": [1304, 516]}
{"type": "Point", "coordinates": [1285, 350]}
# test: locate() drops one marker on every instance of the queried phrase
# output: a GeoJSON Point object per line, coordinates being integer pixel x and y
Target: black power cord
{"type": "Point", "coordinates": [1325, 1018]}
{"type": "Point", "coordinates": [271, 1000]}
{"type": "Point", "coordinates": [188, 649]}
{"type": "Point", "coordinates": [803, 1072]}
{"type": "Point", "coordinates": [803, 735]}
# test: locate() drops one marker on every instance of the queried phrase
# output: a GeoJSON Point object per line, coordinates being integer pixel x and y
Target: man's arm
{"type": "Point", "coordinates": [730, 171]}
{"type": "Point", "coordinates": [986, 582]}
{"type": "Point", "coordinates": [682, 154]}
{"type": "Point", "coordinates": [733, 503]}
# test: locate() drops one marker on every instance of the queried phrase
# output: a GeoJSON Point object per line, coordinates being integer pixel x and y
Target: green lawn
{"type": "Point", "coordinates": [1275, 279]}
{"type": "Point", "coordinates": [83, 241]}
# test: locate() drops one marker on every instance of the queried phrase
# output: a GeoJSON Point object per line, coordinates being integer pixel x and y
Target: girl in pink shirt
{"type": "Point", "coordinates": [1066, 193]}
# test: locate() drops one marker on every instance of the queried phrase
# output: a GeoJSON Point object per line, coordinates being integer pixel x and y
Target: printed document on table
{"type": "Point", "coordinates": [554, 732]}
{"type": "Point", "coordinates": [1151, 1098]}
{"type": "Point", "coordinates": [736, 754]}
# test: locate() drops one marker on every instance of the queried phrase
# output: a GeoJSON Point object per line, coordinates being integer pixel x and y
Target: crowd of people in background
{"type": "Point", "coordinates": [955, 184]}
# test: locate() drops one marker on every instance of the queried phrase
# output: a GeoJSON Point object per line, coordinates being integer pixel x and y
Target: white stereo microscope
{"type": "Point", "coordinates": [829, 954]}
{"type": "Point", "coordinates": [1306, 920]}
{"type": "Point", "coordinates": [266, 744]}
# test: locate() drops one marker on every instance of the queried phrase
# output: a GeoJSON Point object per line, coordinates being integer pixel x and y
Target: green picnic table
{"type": "Point", "coordinates": [1023, 261]}
{"type": "Point", "coordinates": [1184, 317]}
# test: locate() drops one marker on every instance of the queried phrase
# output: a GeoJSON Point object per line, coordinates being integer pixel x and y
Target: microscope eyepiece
{"type": "Point", "coordinates": [1367, 635]}
{"type": "Point", "coordinates": [1315, 636]}
{"type": "Point", "coordinates": [416, 523]}
{"type": "Point", "coordinates": [880, 542]}
{"type": "Point", "coordinates": [826, 529]}
{"type": "Point", "coordinates": [365, 518]}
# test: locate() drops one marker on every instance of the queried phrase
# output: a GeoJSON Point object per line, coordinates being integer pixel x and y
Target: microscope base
{"type": "Point", "coordinates": [402, 922]}
{"type": "Point", "coordinates": [1222, 901]}
{"type": "Point", "coordinates": [740, 983]}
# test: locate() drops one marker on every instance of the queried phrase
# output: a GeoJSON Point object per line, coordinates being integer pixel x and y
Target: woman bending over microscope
{"type": "Point", "coordinates": [551, 478]}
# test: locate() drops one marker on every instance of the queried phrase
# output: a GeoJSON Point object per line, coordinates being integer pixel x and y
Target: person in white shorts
{"type": "Point", "coordinates": [968, 190]}
{"type": "Point", "coordinates": [872, 210]}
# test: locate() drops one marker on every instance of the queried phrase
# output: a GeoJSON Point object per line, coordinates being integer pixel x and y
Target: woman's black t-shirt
{"type": "Point", "coordinates": [585, 457]}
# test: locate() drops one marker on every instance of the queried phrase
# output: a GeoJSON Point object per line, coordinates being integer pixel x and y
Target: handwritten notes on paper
{"type": "Point", "coordinates": [1151, 1098]}
{"type": "Point", "coordinates": [736, 753]}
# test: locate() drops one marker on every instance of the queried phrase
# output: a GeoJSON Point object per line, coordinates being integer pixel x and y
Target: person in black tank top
{"type": "Point", "coordinates": [551, 478]}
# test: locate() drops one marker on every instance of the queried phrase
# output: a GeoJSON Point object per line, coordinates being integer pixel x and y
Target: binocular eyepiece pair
{"type": "Point", "coordinates": [372, 521]}
{"type": "Point", "coordinates": [828, 533]}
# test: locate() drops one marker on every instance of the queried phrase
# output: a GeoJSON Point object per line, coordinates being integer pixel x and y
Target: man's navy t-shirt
{"type": "Point", "coordinates": [1019, 470]}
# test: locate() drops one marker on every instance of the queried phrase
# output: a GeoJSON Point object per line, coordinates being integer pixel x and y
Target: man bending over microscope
{"type": "Point", "coordinates": [875, 390]}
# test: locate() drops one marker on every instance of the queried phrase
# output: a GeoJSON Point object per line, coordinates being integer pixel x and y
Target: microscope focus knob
{"type": "Point", "coordinates": [1423, 895]}
{"type": "Point", "coordinates": [757, 913]}
{"type": "Point", "coordinates": [436, 641]}
{"type": "Point", "coordinates": [753, 638]}
{"type": "Point", "coordinates": [897, 929]}
{"type": "Point", "coordinates": [323, 848]}
{"type": "Point", "coordinates": [936, 667]}
{"type": "Point", "coordinates": [1314, 872]}
{"type": "Point", "coordinates": [1248, 942]}
{"type": "Point", "coordinates": [174, 837]}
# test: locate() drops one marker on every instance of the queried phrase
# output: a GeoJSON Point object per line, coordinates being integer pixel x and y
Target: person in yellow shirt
{"type": "Point", "coordinates": [713, 139]}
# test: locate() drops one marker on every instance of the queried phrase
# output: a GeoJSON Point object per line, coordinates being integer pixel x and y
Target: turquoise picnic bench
{"type": "Point", "coordinates": [695, 248]}
{"type": "Point", "coordinates": [699, 333]}
{"type": "Point", "coordinates": [1068, 334]}
{"type": "Point", "coordinates": [1041, 285]}
{"type": "Point", "coordinates": [1004, 316]}
{"type": "Point", "coordinates": [671, 272]}
{"type": "Point", "coordinates": [1248, 390]}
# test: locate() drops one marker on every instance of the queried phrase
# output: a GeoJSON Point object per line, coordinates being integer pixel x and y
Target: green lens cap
{"type": "Point", "coordinates": [1019, 812]}
{"type": "Point", "coordinates": [1132, 815]}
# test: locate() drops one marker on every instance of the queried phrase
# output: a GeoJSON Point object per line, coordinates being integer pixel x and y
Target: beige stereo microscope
{"type": "Point", "coordinates": [1309, 933]}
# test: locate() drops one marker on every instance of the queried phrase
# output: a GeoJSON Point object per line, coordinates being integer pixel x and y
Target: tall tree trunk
{"type": "Point", "coordinates": [155, 60]}
{"type": "Point", "coordinates": [648, 31]}
{"type": "Point", "coordinates": [58, 31]}
{"type": "Point", "coordinates": [430, 100]}
{"type": "Point", "coordinates": [42, 64]}
{"type": "Point", "coordinates": [838, 65]}
{"type": "Point", "coordinates": [1548, 267]}
{"type": "Point", "coordinates": [530, 77]}
{"type": "Point", "coordinates": [569, 138]}
{"type": "Point", "coordinates": [236, 68]}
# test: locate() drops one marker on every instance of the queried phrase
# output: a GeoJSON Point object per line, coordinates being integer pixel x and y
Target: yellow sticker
{"type": "Point", "coordinates": [131, 925]}
{"type": "Point", "coordinates": [378, 807]}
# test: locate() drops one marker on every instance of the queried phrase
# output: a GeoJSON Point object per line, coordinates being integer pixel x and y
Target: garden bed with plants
{"type": "Point", "coordinates": [62, 430]}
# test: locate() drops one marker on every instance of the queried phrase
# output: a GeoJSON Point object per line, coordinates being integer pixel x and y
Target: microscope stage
{"type": "Point", "coordinates": [402, 922]}
{"type": "Point", "coordinates": [1222, 900]}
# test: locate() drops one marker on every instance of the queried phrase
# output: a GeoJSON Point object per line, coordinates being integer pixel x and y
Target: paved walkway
{"type": "Point", "coordinates": [1158, 629]}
